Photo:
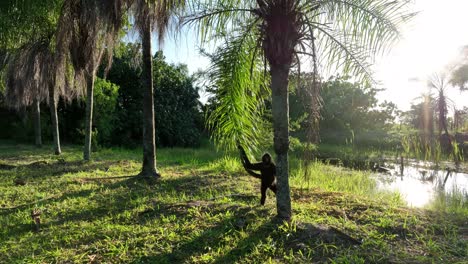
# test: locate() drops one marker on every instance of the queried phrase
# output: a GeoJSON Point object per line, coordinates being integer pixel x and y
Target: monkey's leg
{"type": "Point", "coordinates": [273, 187]}
{"type": "Point", "coordinates": [263, 191]}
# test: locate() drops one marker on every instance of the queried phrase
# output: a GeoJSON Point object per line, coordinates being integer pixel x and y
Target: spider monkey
{"type": "Point", "coordinates": [267, 172]}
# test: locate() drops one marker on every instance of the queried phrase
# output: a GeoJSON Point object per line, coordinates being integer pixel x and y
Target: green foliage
{"type": "Point", "coordinates": [460, 77]}
{"type": "Point", "coordinates": [26, 21]}
{"type": "Point", "coordinates": [420, 147]}
{"type": "Point", "coordinates": [126, 73]}
{"type": "Point", "coordinates": [118, 108]}
{"type": "Point", "coordinates": [244, 25]}
{"type": "Point", "coordinates": [104, 117]}
{"type": "Point", "coordinates": [239, 91]}
{"type": "Point", "coordinates": [177, 110]}
{"type": "Point", "coordinates": [105, 96]}
{"type": "Point", "coordinates": [350, 114]}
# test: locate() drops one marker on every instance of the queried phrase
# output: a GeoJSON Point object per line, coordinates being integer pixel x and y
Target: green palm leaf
{"type": "Point", "coordinates": [237, 117]}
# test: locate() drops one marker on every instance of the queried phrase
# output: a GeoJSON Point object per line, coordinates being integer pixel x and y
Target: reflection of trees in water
{"type": "Point", "coordinates": [439, 177]}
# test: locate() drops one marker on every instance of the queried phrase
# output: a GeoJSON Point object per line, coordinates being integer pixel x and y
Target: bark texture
{"type": "Point", "coordinates": [280, 30]}
{"type": "Point", "coordinates": [149, 144]}
{"type": "Point", "coordinates": [280, 111]}
{"type": "Point", "coordinates": [37, 123]}
{"type": "Point", "coordinates": [54, 118]}
{"type": "Point", "coordinates": [89, 115]}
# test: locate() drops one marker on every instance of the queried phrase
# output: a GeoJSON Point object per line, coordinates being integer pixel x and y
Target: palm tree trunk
{"type": "Point", "coordinates": [37, 123]}
{"type": "Point", "coordinates": [89, 115]}
{"type": "Point", "coordinates": [54, 119]}
{"type": "Point", "coordinates": [149, 144]}
{"type": "Point", "coordinates": [280, 109]}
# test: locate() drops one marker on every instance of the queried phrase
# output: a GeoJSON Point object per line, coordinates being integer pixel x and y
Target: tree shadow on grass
{"type": "Point", "coordinates": [111, 198]}
{"type": "Point", "coordinates": [43, 169]}
{"type": "Point", "coordinates": [209, 239]}
{"type": "Point", "coordinates": [48, 204]}
{"type": "Point", "coordinates": [110, 201]}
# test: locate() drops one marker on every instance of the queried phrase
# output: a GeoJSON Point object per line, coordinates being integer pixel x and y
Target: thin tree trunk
{"type": "Point", "coordinates": [37, 123]}
{"type": "Point", "coordinates": [280, 109]}
{"type": "Point", "coordinates": [54, 119]}
{"type": "Point", "coordinates": [149, 144]}
{"type": "Point", "coordinates": [89, 115]}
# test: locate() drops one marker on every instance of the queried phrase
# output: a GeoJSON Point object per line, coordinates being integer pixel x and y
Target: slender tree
{"type": "Point", "coordinates": [275, 34]}
{"type": "Point", "coordinates": [37, 123]}
{"type": "Point", "coordinates": [150, 16]}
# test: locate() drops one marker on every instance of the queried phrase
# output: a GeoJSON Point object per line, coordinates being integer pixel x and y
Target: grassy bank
{"type": "Point", "coordinates": [205, 209]}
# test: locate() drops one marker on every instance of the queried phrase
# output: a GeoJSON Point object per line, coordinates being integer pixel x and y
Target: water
{"type": "Point", "coordinates": [419, 185]}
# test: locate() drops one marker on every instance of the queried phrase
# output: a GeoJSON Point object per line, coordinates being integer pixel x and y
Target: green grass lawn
{"type": "Point", "coordinates": [205, 209]}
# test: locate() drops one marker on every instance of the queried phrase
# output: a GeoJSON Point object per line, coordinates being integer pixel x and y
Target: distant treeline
{"type": "Point", "coordinates": [118, 108]}
{"type": "Point", "coordinates": [350, 112]}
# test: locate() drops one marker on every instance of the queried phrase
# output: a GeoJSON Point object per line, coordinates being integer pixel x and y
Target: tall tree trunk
{"type": "Point", "coordinates": [149, 144]}
{"type": "Point", "coordinates": [37, 123]}
{"type": "Point", "coordinates": [280, 109]}
{"type": "Point", "coordinates": [54, 119]}
{"type": "Point", "coordinates": [89, 115]}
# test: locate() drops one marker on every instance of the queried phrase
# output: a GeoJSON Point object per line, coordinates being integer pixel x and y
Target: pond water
{"type": "Point", "coordinates": [419, 185]}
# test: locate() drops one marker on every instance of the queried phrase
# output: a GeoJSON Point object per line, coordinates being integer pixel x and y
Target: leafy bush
{"type": "Point", "coordinates": [105, 100]}
{"type": "Point", "coordinates": [179, 120]}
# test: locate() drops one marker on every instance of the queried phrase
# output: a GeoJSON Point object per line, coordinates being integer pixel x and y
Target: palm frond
{"type": "Point", "coordinates": [28, 74]}
{"type": "Point", "coordinates": [371, 23]}
{"type": "Point", "coordinates": [237, 117]}
{"type": "Point", "coordinates": [351, 32]}
{"type": "Point", "coordinates": [87, 31]}
{"type": "Point", "coordinates": [213, 19]}
{"type": "Point", "coordinates": [337, 53]}
{"type": "Point", "coordinates": [160, 15]}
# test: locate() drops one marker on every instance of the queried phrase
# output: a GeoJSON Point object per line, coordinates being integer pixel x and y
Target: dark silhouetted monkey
{"type": "Point", "coordinates": [267, 172]}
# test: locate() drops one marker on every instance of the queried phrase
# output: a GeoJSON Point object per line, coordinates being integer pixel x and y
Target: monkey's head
{"type": "Point", "coordinates": [266, 159]}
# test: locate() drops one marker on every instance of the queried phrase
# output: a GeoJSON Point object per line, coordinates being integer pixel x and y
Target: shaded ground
{"type": "Point", "coordinates": [203, 210]}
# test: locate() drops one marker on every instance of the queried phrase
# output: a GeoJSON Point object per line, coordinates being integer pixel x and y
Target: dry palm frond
{"type": "Point", "coordinates": [87, 31]}
{"type": "Point", "coordinates": [156, 14]}
{"type": "Point", "coordinates": [28, 75]}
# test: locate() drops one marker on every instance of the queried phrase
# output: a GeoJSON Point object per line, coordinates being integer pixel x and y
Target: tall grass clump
{"type": "Point", "coordinates": [332, 178]}
{"type": "Point", "coordinates": [454, 201]}
{"type": "Point", "coordinates": [429, 149]}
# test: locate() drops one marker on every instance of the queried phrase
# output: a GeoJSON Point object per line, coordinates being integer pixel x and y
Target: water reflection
{"type": "Point", "coordinates": [419, 185]}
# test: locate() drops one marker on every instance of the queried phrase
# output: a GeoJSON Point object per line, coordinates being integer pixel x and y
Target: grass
{"type": "Point", "coordinates": [205, 209]}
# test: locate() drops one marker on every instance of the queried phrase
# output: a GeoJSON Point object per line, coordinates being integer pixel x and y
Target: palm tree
{"type": "Point", "coordinates": [26, 29]}
{"type": "Point", "coordinates": [26, 80]}
{"type": "Point", "coordinates": [275, 34]}
{"type": "Point", "coordinates": [439, 84]}
{"type": "Point", "coordinates": [147, 15]}
{"type": "Point", "coordinates": [88, 29]}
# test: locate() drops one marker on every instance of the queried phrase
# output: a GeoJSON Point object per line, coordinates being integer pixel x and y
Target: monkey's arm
{"type": "Point", "coordinates": [246, 162]}
{"type": "Point", "coordinates": [256, 175]}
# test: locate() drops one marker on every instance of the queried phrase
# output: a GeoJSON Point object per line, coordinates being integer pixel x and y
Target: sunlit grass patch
{"type": "Point", "coordinates": [205, 209]}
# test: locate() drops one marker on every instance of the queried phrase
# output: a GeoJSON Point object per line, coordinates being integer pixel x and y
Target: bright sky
{"type": "Point", "coordinates": [430, 42]}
